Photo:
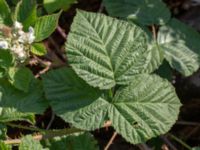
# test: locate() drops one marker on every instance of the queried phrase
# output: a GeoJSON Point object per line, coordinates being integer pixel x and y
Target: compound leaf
{"type": "Point", "coordinates": [143, 109]}
{"type": "Point", "coordinates": [146, 12]}
{"type": "Point", "coordinates": [181, 46]}
{"type": "Point", "coordinates": [105, 51]}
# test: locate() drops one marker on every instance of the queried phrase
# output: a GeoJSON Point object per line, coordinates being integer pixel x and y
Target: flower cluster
{"type": "Point", "coordinates": [18, 42]}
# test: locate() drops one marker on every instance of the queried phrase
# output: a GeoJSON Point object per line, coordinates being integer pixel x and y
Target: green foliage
{"type": "Point", "coordinates": [45, 26]}
{"type": "Point", "coordinates": [8, 114]}
{"type": "Point", "coordinates": [181, 46]}
{"type": "Point", "coordinates": [6, 59]}
{"type": "Point", "coordinates": [31, 102]}
{"type": "Point", "coordinates": [3, 131]}
{"type": "Point", "coordinates": [26, 12]}
{"type": "Point", "coordinates": [54, 5]}
{"type": "Point", "coordinates": [28, 143]}
{"type": "Point", "coordinates": [138, 110]}
{"type": "Point", "coordinates": [38, 49]}
{"type": "Point", "coordinates": [20, 78]}
{"type": "Point", "coordinates": [80, 141]}
{"type": "Point", "coordinates": [146, 12]}
{"type": "Point", "coordinates": [106, 51]}
{"type": "Point", "coordinates": [67, 94]}
{"type": "Point", "coordinates": [143, 109]}
{"type": "Point", "coordinates": [196, 148]}
{"type": "Point", "coordinates": [111, 78]}
{"type": "Point", "coordinates": [2, 72]}
{"type": "Point", "coordinates": [3, 146]}
{"type": "Point", "coordinates": [5, 13]}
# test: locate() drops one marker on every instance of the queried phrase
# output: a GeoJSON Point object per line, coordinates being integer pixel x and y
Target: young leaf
{"type": "Point", "coordinates": [3, 146]}
{"type": "Point", "coordinates": [81, 141]}
{"type": "Point", "coordinates": [144, 109]}
{"type": "Point", "coordinates": [181, 46]}
{"type": "Point", "coordinates": [28, 143]}
{"type": "Point", "coordinates": [20, 78]}
{"type": "Point", "coordinates": [146, 12]}
{"type": "Point", "coordinates": [38, 49]}
{"type": "Point", "coordinates": [30, 102]}
{"type": "Point", "coordinates": [26, 13]}
{"type": "Point", "coordinates": [54, 5]}
{"type": "Point", "coordinates": [45, 26]}
{"type": "Point", "coordinates": [71, 98]}
{"type": "Point", "coordinates": [5, 13]}
{"type": "Point", "coordinates": [105, 51]}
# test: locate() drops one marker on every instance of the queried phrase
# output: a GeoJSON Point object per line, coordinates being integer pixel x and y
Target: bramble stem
{"type": "Point", "coordinates": [111, 141]}
{"type": "Point", "coordinates": [180, 141]}
{"type": "Point", "coordinates": [45, 134]}
{"type": "Point", "coordinates": [154, 32]}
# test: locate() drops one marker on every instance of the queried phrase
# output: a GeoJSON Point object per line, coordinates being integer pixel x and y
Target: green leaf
{"type": "Point", "coordinates": [2, 72]}
{"type": "Point", "coordinates": [3, 131]}
{"type": "Point", "coordinates": [20, 78]}
{"type": "Point", "coordinates": [26, 13]}
{"type": "Point", "coordinates": [105, 51]}
{"type": "Point", "coordinates": [73, 100]}
{"type": "Point", "coordinates": [5, 13]}
{"type": "Point", "coordinates": [30, 102]}
{"type": "Point", "coordinates": [144, 109]}
{"type": "Point", "coordinates": [38, 49]}
{"type": "Point", "coordinates": [6, 59]}
{"type": "Point", "coordinates": [28, 143]}
{"type": "Point", "coordinates": [8, 114]}
{"type": "Point", "coordinates": [155, 57]}
{"type": "Point", "coordinates": [54, 5]}
{"type": "Point", "coordinates": [181, 46]}
{"type": "Point", "coordinates": [3, 146]}
{"type": "Point", "coordinates": [45, 26]}
{"type": "Point", "coordinates": [196, 148]}
{"type": "Point", "coordinates": [81, 141]}
{"type": "Point", "coordinates": [146, 12]}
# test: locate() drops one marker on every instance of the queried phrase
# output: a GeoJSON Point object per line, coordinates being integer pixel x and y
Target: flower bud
{"type": "Point", "coordinates": [3, 45]}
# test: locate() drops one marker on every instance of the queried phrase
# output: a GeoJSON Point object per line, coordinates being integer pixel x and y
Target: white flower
{"type": "Point", "coordinates": [18, 51]}
{"type": "Point", "coordinates": [18, 25]}
{"type": "Point", "coordinates": [27, 38]}
{"type": "Point", "coordinates": [3, 44]}
{"type": "Point", "coordinates": [20, 32]}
